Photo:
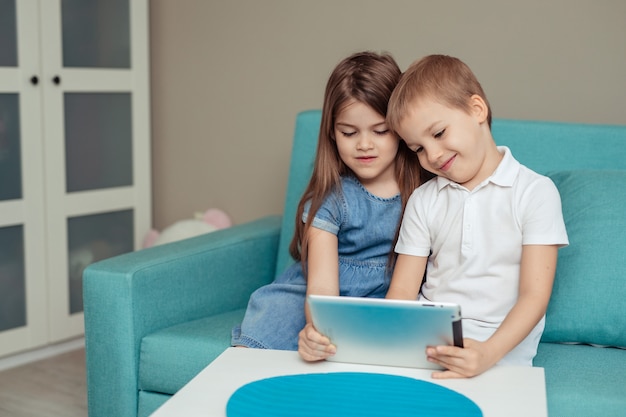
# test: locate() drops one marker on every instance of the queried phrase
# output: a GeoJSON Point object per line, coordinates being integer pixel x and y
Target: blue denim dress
{"type": "Point", "coordinates": [365, 226]}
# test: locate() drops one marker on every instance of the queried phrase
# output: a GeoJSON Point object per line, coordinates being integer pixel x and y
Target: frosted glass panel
{"type": "Point", "coordinates": [12, 281]}
{"type": "Point", "coordinates": [8, 37]}
{"type": "Point", "coordinates": [10, 160]}
{"type": "Point", "coordinates": [93, 238]}
{"type": "Point", "coordinates": [98, 140]}
{"type": "Point", "coordinates": [96, 33]}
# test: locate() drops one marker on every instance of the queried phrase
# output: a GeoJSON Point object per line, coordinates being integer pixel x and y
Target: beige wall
{"type": "Point", "coordinates": [228, 78]}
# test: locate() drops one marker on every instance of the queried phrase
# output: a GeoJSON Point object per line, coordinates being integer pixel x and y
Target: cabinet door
{"type": "Point", "coordinates": [96, 142]}
{"type": "Point", "coordinates": [23, 297]}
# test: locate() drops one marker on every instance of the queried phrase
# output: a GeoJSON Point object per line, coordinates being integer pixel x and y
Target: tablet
{"type": "Point", "coordinates": [377, 331]}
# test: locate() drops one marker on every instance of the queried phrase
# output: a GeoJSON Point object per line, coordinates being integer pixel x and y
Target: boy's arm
{"type": "Point", "coordinates": [537, 269]}
{"type": "Point", "coordinates": [407, 277]}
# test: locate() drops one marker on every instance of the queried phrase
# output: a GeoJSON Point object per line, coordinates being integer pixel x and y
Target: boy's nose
{"type": "Point", "coordinates": [433, 154]}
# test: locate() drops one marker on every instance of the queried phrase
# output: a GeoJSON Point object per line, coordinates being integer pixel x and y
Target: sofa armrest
{"type": "Point", "coordinates": [129, 296]}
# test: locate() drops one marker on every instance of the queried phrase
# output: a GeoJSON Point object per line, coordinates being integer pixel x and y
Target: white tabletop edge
{"type": "Point", "coordinates": [503, 390]}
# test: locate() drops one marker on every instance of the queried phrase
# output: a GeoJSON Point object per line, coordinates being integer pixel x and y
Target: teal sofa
{"type": "Point", "coordinates": [154, 318]}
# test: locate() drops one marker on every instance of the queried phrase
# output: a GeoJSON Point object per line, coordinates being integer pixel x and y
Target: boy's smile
{"type": "Point", "coordinates": [448, 163]}
{"type": "Point", "coordinates": [451, 142]}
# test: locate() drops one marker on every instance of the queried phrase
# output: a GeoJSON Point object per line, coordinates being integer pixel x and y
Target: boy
{"type": "Point", "coordinates": [486, 230]}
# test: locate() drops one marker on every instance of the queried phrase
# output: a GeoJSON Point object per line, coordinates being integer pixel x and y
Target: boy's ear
{"type": "Point", "coordinates": [479, 108]}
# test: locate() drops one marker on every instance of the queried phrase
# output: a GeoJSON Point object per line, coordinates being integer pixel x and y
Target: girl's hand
{"type": "Point", "coordinates": [314, 346]}
{"type": "Point", "coordinates": [471, 360]}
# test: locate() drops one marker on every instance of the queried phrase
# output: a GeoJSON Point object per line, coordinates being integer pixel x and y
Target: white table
{"type": "Point", "coordinates": [502, 391]}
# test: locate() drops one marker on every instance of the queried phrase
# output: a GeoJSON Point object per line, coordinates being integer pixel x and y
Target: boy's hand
{"type": "Point", "coordinates": [471, 360]}
{"type": "Point", "coordinates": [314, 346]}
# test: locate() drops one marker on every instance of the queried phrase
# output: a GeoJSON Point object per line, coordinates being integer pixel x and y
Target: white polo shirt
{"type": "Point", "coordinates": [476, 240]}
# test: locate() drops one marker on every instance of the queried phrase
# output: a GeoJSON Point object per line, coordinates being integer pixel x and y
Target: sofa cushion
{"type": "Point", "coordinates": [171, 357]}
{"type": "Point", "coordinates": [587, 303]}
{"type": "Point", "coordinates": [583, 380]}
{"type": "Point", "coordinates": [149, 402]}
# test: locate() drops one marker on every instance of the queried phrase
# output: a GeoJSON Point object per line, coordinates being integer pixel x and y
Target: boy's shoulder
{"type": "Point", "coordinates": [429, 190]}
{"type": "Point", "coordinates": [530, 174]}
{"type": "Point", "coordinates": [512, 171]}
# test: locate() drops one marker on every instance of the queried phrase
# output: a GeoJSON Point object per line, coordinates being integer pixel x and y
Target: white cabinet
{"type": "Point", "coordinates": [74, 156]}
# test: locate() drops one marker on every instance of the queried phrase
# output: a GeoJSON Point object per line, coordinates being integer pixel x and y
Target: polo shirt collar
{"type": "Point", "coordinates": [507, 170]}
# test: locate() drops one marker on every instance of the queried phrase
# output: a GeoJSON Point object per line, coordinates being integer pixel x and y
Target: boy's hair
{"type": "Point", "coordinates": [369, 78]}
{"type": "Point", "coordinates": [442, 78]}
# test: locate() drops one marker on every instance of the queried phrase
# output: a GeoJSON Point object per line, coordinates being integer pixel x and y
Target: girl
{"type": "Point", "coordinates": [348, 216]}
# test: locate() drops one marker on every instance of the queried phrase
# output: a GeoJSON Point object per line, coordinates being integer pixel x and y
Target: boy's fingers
{"type": "Point", "coordinates": [446, 375]}
{"type": "Point", "coordinates": [444, 351]}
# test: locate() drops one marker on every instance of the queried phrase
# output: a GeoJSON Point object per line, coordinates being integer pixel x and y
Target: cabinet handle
{"type": "Point", "coordinates": [56, 80]}
{"type": "Point", "coordinates": [34, 80]}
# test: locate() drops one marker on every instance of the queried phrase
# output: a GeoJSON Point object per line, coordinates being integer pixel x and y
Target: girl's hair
{"type": "Point", "coordinates": [369, 78]}
{"type": "Point", "coordinates": [442, 78]}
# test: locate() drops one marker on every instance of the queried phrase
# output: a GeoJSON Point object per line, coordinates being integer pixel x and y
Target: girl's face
{"type": "Point", "coordinates": [368, 148]}
{"type": "Point", "coordinates": [451, 142]}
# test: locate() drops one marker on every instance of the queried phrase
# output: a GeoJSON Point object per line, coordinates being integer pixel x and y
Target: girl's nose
{"type": "Point", "coordinates": [365, 142]}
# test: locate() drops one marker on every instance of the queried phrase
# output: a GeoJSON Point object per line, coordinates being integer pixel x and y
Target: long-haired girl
{"type": "Point", "coordinates": [348, 217]}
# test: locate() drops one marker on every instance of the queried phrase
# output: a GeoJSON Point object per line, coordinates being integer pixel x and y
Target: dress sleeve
{"type": "Point", "coordinates": [330, 214]}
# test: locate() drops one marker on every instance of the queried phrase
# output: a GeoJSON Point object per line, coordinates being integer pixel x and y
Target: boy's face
{"type": "Point", "coordinates": [451, 142]}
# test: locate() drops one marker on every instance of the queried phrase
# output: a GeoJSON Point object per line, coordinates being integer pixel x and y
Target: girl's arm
{"type": "Point", "coordinates": [323, 264]}
{"type": "Point", "coordinates": [407, 277]}
{"type": "Point", "coordinates": [537, 269]}
{"type": "Point", "coordinates": [322, 279]}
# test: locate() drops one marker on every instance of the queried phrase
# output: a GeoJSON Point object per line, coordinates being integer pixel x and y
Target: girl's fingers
{"type": "Point", "coordinates": [313, 346]}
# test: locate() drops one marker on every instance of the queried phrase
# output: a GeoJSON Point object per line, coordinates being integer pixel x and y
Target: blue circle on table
{"type": "Point", "coordinates": [345, 394]}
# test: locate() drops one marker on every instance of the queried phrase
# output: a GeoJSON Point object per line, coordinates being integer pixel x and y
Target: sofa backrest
{"type": "Point", "coordinates": [576, 156]}
{"type": "Point", "coordinates": [556, 146]}
{"type": "Point", "coordinates": [301, 166]}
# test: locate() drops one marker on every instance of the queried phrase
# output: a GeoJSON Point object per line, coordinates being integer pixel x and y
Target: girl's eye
{"type": "Point", "coordinates": [381, 132]}
{"type": "Point", "coordinates": [439, 134]}
{"type": "Point", "coordinates": [419, 149]}
{"type": "Point", "coordinates": [348, 134]}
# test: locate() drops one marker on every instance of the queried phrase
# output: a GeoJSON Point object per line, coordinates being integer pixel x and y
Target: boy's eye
{"type": "Point", "coordinates": [439, 134]}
